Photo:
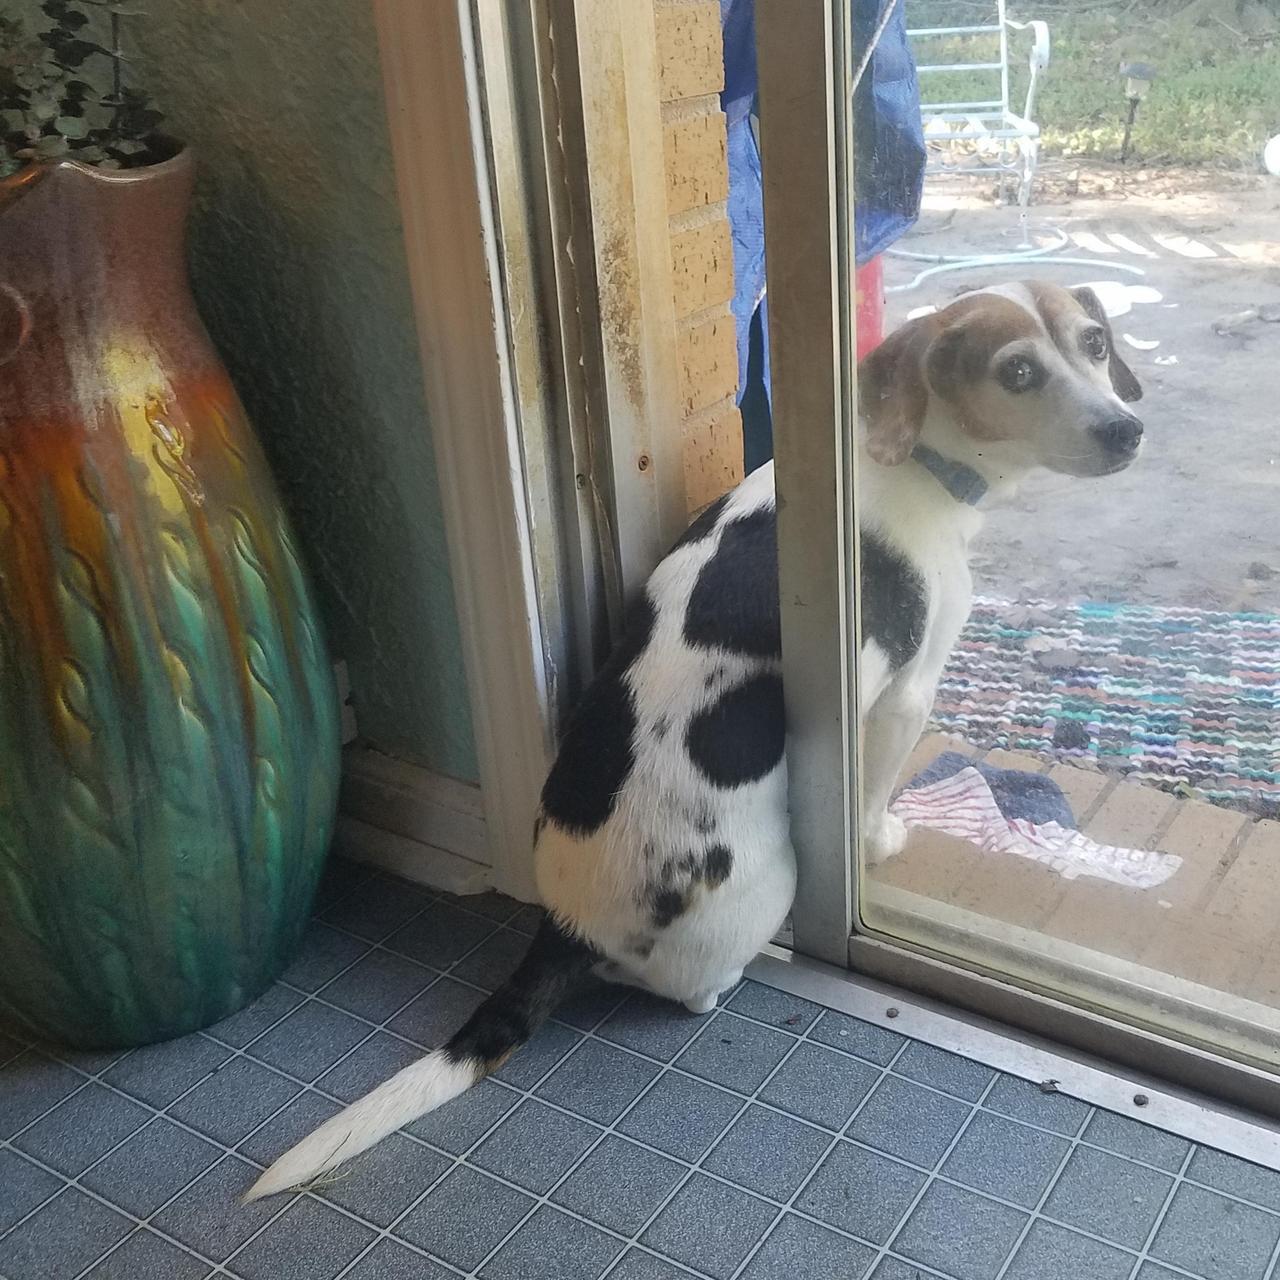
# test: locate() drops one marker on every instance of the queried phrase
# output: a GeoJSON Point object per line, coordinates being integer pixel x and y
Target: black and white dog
{"type": "Point", "coordinates": [662, 849]}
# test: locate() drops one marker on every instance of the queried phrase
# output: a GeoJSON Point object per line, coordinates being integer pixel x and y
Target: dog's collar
{"type": "Point", "coordinates": [959, 479]}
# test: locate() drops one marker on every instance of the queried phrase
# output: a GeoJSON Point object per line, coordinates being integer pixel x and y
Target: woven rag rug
{"type": "Point", "coordinates": [1185, 699]}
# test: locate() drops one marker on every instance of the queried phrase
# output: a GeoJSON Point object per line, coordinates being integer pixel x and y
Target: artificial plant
{"type": "Point", "coordinates": [63, 93]}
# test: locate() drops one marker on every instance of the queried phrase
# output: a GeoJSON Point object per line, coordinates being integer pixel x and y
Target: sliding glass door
{"type": "Point", "coordinates": [1031, 625]}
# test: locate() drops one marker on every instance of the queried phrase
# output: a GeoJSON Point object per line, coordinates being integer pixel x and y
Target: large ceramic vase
{"type": "Point", "coordinates": [168, 725]}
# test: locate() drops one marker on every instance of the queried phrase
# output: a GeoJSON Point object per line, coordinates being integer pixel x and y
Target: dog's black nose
{"type": "Point", "coordinates": [1121, 435]}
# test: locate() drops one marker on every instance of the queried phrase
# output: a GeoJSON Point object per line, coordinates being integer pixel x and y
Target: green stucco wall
{"type": "Point", "coordinates": [299, 270]}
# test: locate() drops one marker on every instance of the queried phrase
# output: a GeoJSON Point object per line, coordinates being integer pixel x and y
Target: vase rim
{"type": "Point", "coordinates": [179, 161]}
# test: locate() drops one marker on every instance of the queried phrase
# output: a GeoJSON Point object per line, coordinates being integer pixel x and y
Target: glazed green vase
{"type": "Point", "coordinates": [169, 733]}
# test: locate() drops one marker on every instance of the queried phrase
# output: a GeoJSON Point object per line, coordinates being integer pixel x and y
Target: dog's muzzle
{"type": "Point", "coordinates": [1120, 437]}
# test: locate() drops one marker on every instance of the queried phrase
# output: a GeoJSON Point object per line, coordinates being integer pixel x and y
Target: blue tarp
{"type": "Point", "coordinates": [889, 149]}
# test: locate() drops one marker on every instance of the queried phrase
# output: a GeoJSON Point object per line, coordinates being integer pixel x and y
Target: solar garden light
{"type": "Point", "coordinates": [1137, 79]}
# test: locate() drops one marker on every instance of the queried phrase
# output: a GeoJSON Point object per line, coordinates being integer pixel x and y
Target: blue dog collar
{"type": "Point", "coordinates": [959, 479]}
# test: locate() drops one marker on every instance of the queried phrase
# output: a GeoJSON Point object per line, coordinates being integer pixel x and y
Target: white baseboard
{"type": "Point", "coordinates": [419, 824]}
{"type": "Point", "coordinates": [421, 863]}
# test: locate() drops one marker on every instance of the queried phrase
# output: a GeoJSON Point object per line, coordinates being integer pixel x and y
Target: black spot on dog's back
{"type": "Point", "coordinates": [640, 945]}
{"type": "Point", "coordinates": [740, 737]}
{"type": "Point", "coordinates": [704, 525]}
{"type": "Point", "coordinates": [596, 753]}
{"type": "Point", "coordinates": [734, 603]}
{"type": "Point", "coordinates": [667, 905]}
{"type": "Point", "coordinates": [717, 865]}
{"type": "Point", "coordinates": [894, 600]}
{"type": "Point", "coordinates": [671, 891]}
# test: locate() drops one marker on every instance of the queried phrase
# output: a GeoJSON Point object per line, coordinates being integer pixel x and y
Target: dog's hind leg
{"type": "Point", "coordinates": [705, 1001]}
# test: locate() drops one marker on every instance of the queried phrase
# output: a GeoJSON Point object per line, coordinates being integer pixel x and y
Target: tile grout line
{"type": "Point", "coordinates": [74, 1182]}
{"type": "Point", "coordinates": [462, 1160]}
{"type": "Point", "coordinates": [582, 1035]}
{"type": "Point", "coordinates": [886, 1249]}
{"type": "Point", "coordinates": [593, 1034]}
{"type": "Point", "coordinates": [374, 1029]}
{"type": "Point", "coordinates": [671, 1068]}
{"type": "Point", "coordinates": [695, 1167]}
{"type": "Point", "coordinates": [1074, 1143]}
{"type": "Point", "coordinates": [840, 1136]}
{"type": "Point", "coordinates": [1144, 1253]}
{"type": "Point", "coordinates": [1273, 1267]}
{"type": "Point", "coordinates": [690, 1167]}
{"type": "Point", "coordinates": [98, 1077]}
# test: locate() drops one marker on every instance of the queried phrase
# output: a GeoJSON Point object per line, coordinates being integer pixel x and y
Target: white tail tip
{"type": "Point", "coordinates": [410, 1093]}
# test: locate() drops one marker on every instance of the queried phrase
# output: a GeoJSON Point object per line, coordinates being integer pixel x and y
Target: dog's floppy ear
{"type": "Point", "coordinates": [893, 390]}
{"type": "Point", "coordinates": [1123, 380]}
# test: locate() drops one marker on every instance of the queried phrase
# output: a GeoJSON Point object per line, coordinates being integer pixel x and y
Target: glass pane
{"type": "Point", "coordinates": [1070, 596]}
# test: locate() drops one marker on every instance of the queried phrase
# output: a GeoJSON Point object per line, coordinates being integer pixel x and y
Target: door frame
{"type": "Point", "coordinates": [430, 73]}
{"type": "Point", "coordinates": [527, 140]}
{"type": "Point", "coordinates": [813, 386]}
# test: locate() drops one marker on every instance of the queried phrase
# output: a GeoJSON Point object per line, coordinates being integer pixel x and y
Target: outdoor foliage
{"type": "Point", "coordinates": [1215, 99]}
{"type": "Point", "coordinates": [62, 90]}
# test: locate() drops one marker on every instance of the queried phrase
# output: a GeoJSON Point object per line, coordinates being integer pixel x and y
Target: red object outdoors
{"type": "Point", "coordinates": [868, 300]}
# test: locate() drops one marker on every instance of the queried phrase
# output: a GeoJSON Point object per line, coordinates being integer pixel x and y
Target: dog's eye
{"type": "Point", "coordinates": [1020, 374]}
{"type": "Point", "coordinates": [1094, 342]}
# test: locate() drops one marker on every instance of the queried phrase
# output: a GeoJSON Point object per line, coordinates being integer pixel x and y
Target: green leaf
{"type": "Point", "coordinates": [45, 106]}
{"type": "Point", "coordinates": [96, 78]}
{"type": "Point", "coordinates": [72, 126]}
{"type": "Point", "coordinates": [69, 53]}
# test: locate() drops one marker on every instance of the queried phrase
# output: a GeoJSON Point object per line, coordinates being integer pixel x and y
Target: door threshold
{"type": "Point", "coordinates": [1143, 1098]}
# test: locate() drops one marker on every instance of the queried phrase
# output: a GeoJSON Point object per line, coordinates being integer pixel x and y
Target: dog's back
{"type": "Point", "coordinates": [663, 833]}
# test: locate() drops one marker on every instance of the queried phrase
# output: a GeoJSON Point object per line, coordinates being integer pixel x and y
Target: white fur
{"type": "Point", "coordinates": [417, 1089]}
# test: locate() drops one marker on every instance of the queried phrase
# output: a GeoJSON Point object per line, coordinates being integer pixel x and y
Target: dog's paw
{"type": "Point", "coordinates": [883, 837]}
{"type": "Point", "coordinates": [703, 1002]}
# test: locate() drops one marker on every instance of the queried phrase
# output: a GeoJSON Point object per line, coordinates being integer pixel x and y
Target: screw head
{"type": "Point", "coordinates": [1141, 1100]}
{"type": "Point", "coordinates": [891, 1012]}
{"type": "Point", "coordinates": [643, 462]}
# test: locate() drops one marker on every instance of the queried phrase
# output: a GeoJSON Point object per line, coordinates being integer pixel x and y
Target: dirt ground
{"type": "Point", "coordinates": [1196, 520]}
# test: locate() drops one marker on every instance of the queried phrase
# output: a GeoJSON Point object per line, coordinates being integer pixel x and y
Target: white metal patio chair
{"type": "Point", "coordinates": [978, 131]}
{"type": "Point", "coordinates": [967, 132]}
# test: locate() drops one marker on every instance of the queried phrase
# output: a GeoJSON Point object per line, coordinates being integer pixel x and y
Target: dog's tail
{"type": "Point", "coordinates": [498, 1027]}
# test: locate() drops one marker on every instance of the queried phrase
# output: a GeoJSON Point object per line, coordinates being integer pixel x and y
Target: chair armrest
{"type": "Point", "coordinates": [1038, 59]}
{"type": "Point", "coordinates": [1040, 44]}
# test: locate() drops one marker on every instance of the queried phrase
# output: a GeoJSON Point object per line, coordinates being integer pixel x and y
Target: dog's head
{"type": "Point", "coordinates": [1031, 367]}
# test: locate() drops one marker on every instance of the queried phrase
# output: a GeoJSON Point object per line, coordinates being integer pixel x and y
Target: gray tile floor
{"type": "Point", "coordinates": [770, 1139]}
